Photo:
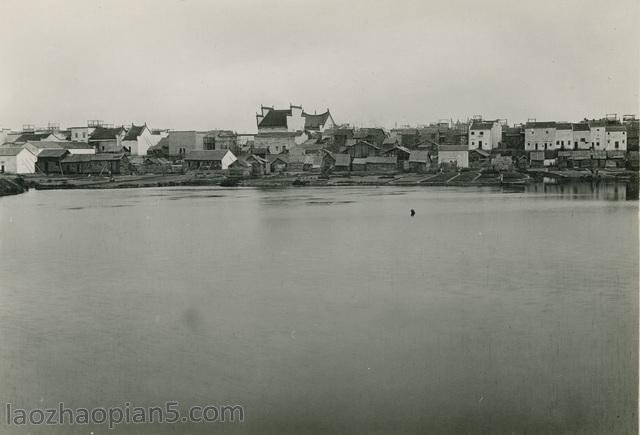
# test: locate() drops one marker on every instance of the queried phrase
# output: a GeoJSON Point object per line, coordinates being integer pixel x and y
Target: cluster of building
{"type": "Point", "coordinates": [293, 140]}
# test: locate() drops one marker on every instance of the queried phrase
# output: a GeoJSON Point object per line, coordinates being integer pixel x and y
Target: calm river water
{"type": "Point", "coordinates": [325, 309]}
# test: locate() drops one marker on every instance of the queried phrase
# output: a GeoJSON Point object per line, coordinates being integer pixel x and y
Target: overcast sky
{"type": "Point", "coordinates": [210, 64]}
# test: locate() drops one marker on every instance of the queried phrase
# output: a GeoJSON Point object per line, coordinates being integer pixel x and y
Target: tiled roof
{"type": "Point", "coordinates": [483, 153]}
{"type": "Point", "coordinates": [104, 133]}
{"type": "Point", "coordinates": [52, 152]}
{"type": "Point", "coordinates": [42, 144]}
{"type": "Point", "coordinates": [419, 156]}
{"type": "Point", "coordinates": [10, 151]}
{"type": "Point", "coordinates": [616, 128]}
{"type": "Point", "coordinates": [481, 125]}
{"type": "Point", "coordinates": [563, 126]}
{"type": "Point", "coordinates": [314, 122]}
{"type": "Point", "coordinates": [582, 126]}
{"type": "Point", "coordinates": [134, 132]}
{"type": "Point", "coordinates": [275, 118]}
{"type": "Point", "coordinates": [26, 137]}
{"type": "Point", "coordinates": [542, 124]}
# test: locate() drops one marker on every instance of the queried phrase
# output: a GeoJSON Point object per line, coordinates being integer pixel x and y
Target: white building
{"type": "Point", "coordinates": [581, 136]}
{"type": "Point", "coordinates": [138, 140]}
{"type": "Point", "coordinates": [485, 135]}
{"type": "Point", "coordinates": [280, 130]}
{"type": "Point", "coordinates": [616, 137]}
{"type": "Point", "coordinates": [598, 135]}
{"type": "Point", "coordinates": [540, 136]}
{"type": "Point", "coordinates": [564, 136]}
{"type": "Point", "coordinates": [17, 160]}
{"type": "Point", "coordinates": [81, 134]}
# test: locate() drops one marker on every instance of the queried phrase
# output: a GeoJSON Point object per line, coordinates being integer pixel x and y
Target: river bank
{"type": "Point", "coordinates": [215, 178]}
{"type": "Point", "coordinates": [12, 185]}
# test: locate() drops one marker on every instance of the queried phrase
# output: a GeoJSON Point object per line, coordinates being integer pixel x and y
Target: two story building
{"type": "Point", "coordinates": [616, 137]}
{"type": "Point", "coordinates": [564, 136]}
{"type": "Point", "coordinates": [280, 129]}
{"type": "Point", "coordinates": [485, 135]}
{"type": "Point", "coordinates": [581, 136]}
{"type": "Point", "coordinates": [540, 136]}
{"type": "Point", "coordinates": [139, 139]}
{"type": "Point", "coordinates": [107, 139]}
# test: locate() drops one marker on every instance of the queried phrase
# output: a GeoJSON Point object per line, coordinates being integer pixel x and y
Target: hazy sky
{"type": "Point", "coordinates": [210, 64]}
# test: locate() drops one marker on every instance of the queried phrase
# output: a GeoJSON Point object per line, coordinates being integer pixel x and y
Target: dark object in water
{"type": "Point", "coordinates": [299, 182]}
{"type": "Point", "coordinates": [229, 182]}
{"type": "Point", "coordinates": [413, 212]}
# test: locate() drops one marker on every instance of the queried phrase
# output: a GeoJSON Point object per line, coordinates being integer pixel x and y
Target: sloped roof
{"type": "Point", "coordinates": [52, 152]}
{"type": "Point", "coordinates": [582, 126]}
{"type": "Point", "coordinates": [481, 125]}
{"type": "Point", "coordinates": [78, 158]}
{"type": "Point", "coordinates": [481, 152]}
{"type": "Point", "coordinates": [257, 159]}
{"type": "Point", "coordinates": [398, 147]}
{"type": "Point", "coordinates": [105, 133]}
{"type": "Point", "coordinates": [598, 123]}
{"type": "Point", "coordinates": [419, 156]}
{"type": "Point", "coordinates": [10, 151]}
{"type": "Point", "coordinates": [240, 162]}
{"type": "Point", "coordinates": [44, 144]}
{"type": "Point", "coordinates": [563, 126]}
{"type": "Point", "coordinates": [616, 128]}
{"type": "Point", "coordinates": [542, 124]}
{"type": "Point", "coordinates": [273, 157]}
{"type": "Point", "coordinates": [275, 118]}
{"type": "Point", "coordinates": [390, 141]}
{"type": "Point", "coordinates": [26, 137]}
{"type": "Point", "coordinates": [75, 145]}
{"type": "Point", "coordinates": [364, 132]}
{"type": "Point", "coordinates": [314, 122]}
{"type": "Point", "coordinates": [279, 134]}
{"type": "Point", "coordinates": [206, 155]}
{"type": "Point", "coordinates": [134, 132]}
{"type": "Point", "coordinates": [350, 144]}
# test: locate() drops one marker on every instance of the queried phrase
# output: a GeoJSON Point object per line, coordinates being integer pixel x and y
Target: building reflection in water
{"type": "Point", "coordinates": [607, 191]}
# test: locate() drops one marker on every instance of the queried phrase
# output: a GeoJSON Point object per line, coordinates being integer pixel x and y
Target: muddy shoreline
{"type": "Point", "coordinates": [460, 179]}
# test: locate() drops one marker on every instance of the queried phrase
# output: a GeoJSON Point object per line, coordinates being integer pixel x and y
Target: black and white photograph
{"type": "Point", "coordinates": [307, 217]}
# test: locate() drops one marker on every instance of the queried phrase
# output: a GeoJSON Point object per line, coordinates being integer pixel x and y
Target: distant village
{"type": "Point", "coordinates": [293, 141]}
